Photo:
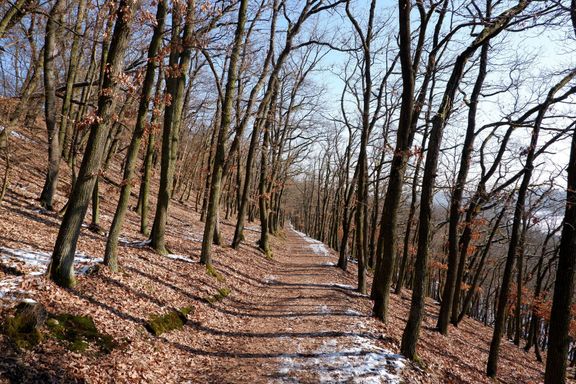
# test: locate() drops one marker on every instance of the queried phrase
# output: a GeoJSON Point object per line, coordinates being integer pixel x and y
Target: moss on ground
{"type": "Point", "coordinates": [219, 296]}
{"type": "Point", "coordinates": [31, 324]}
{"type": "Point", "coordinates": [175, 319]}
{"type": "Point", "coordinates": [78, 333]}
{"type": "Point", "coordinates": [23, 328]}
{"type": "Point", "coordinates": [211, 271]}
{"type": "Point", "coordinates": [21, 335]}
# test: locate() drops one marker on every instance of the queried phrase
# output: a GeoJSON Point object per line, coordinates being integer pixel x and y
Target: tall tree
{"type": "Point", "coordinates": [179, 63]}
{"type": "Point", "coordinates": [60, 269]}
{"type": "Point", "coordinates": [561, 315]}
{"type": "Point", "coordinates": [111, 252]}
{"type": "Point", "coordinates": [450, 295]}
{"type": "Point", "coordinates": [383, 274]}
{"type": "Point", "coordinates": [225, 121]}
{"type": "Point", "coordinates": [50, 52]}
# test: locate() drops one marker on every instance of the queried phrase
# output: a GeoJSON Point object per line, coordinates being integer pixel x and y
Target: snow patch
{"type": "Point", "coordinates": [19, 136]}
{"type": "Point", "coordinates": [353, 312]}
{"type": "Point", "coordinates": [318, 247]}
{"type": "Point", "coordinates": [180, 257]}
{"type": "Point", "coordinates": [134, 243]}
{"type": "Point", "coordinates": [324, 309]}
{"type": "Point", "coordinates": [269, 279]}
{"type": "Point", "coordinates": [356, 360]}
{"type": "Point", "coordinates": [34, 263]}
{"type": "Point", "coordinates": [329, 264]}
{"type": "Point", "coordinates": [362, 362]}
{"type": "Point", "coordinates": [344, 286]}
{"type": "Point", "coordinates": [195, 237]}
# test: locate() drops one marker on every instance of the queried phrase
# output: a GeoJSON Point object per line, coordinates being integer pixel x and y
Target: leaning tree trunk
{"type": "Point", "coordinates": [75, 50]}
{"type": "Point", "coordinates": [60, 268]}
{"type": "Point", "coordinates": [451, 292]}
{"type": "Point", "coordinates": [412, 330]}
{"type": "Point", "coordinates": [387, 241]}
{"type": "Point", "coordinates": [245, 200]}
{"type": "Point", "coordinates": [14, 14]}
{"type": "Point", "coordinates": [263, 197]}
{"type": "Point", "coordinates": [143, 206]}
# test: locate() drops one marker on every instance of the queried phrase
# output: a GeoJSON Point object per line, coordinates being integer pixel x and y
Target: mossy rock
{"type": "Point", "coordinates": [23, 328]}
{"type": "Point", "coordinates": [219, 296]}
{"type": "Point", "coordinates": [79, 332]}
{"type": "Point", "coordinates": [175, 319]}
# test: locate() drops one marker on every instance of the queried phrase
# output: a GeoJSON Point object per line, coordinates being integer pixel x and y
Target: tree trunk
{"type": "Point", "coordinates": [412, 330]}
{"type": "Point", "coordinates": [60, 268]}
{"type": "Point", "coordinates": [50, 52]}
{"type": "Point", "coordinates": [387, 242]}
{"type": "Point", "coordinates": [175, 86]}
{"type": "Point", "coordinates": [111, 252]}
{"type": "Point", "coordinates": [451, 293]}
{"type": "Point", "coordinates": [225, 120]}
{"type": "Point", "coordinates": [65, 126]}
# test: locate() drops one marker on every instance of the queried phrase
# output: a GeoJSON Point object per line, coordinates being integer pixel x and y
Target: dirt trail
{"type": "Point", "coordinates": [302, 326]}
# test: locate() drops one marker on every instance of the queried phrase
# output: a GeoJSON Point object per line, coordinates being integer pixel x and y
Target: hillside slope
{"type": "Point", "coordinates": [294, 318]}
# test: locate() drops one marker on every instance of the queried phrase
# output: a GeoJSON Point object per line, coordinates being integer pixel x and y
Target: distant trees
{"type": "Point", "coordinates": [465, 270]}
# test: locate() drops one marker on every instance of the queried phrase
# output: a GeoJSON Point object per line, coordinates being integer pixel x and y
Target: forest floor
{"type": "Point", "coordinates": [295, 318]}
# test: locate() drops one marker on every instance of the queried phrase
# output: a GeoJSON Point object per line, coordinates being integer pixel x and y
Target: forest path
{"type": "Point", "coordinates": [301, 326]}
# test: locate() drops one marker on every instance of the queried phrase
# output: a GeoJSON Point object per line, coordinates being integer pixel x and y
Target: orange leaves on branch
{"type": "Point", "coordinates": [438, 265]}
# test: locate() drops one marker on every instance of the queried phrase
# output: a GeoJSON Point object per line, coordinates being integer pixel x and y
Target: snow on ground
{"type": "Point", "coordinates": [318, 247]}
{"type": "Point", "coordinates": [180, 257]}
{"type": "Point", "coordinates": [269, 279]}
{"type": "Point", "coordinates": [134, 243]}
{"type": "Point", "coordinates": [18, 135]}
{"type": "Point", "coordinates": [344, 286]}
{"type": "Point", "coordinates": [324, 309]}
{"type": "Point", "coordinates": [353, 312]}
{"type": "Point", "coordinates": [360, 362]}
{"type": "Point", "coordinates": [33, 263]}
{"type": "Point", "coordinates": [194, 237]}
{"type": "Point", "coordinates": [355, 360]}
